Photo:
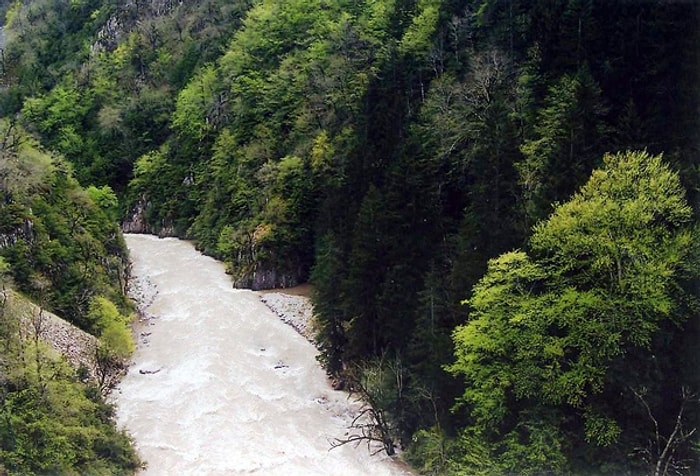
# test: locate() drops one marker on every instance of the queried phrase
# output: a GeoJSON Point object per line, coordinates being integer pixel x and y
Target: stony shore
{"type": "Point", "coordinates": [142, 292]}
{"type": "Point", "coordinates": [294, 309]}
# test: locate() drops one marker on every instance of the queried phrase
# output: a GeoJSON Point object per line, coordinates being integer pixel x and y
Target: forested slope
{"type": "Point", "coordinates": [60, 248]}
{"type": "Point", "coordinates": [395, 153]}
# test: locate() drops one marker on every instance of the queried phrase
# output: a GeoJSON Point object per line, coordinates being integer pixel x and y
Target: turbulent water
{"type": "Point", "coordinates": [220, 386]}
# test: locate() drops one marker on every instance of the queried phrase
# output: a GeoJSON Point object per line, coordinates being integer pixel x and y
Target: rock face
{"type": "Point", "coordinates": [25, 232]}
{"type": "Point", "coordinates": [264, 277]}
{"type": "Point", "coordinates": [135, 222]}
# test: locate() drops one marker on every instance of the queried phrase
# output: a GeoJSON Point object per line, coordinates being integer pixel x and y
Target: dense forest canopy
{"type": "Point", "coordinates": [496, 200]}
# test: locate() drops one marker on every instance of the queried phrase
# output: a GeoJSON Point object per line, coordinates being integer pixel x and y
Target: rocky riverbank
{"type": "Point", "coordinates": [295, 310]}
{"type": "Point", "coordinates": [142, 292]}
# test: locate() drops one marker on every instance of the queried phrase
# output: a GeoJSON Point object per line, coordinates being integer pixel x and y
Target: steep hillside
{"type": "Point", "coordinates": [61, 249]}
{"type": "Point", "coordinates": [76, 346]}
{"type": "Point", "coordinates": [54, 420]}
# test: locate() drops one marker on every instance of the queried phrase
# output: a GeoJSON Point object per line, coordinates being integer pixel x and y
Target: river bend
{"type": "Point", "coordinates": [220, 386]}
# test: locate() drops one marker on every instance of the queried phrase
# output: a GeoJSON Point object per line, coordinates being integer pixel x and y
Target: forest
{"type": "Point", "coordinates": [496, 202]}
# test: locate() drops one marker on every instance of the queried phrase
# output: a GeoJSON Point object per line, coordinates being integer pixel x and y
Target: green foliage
{"type": "Point", "coordinates": [547, 332]}
{"type": "Point", "coordinates": [533, 449]}
{"type": "Point", "coordinates": [64, 107]}
{"type": "Point", "coordinates": [4, 268]}
{"type": "Point", "coordinates": [113, 327]}
{"type": "Point", "coordinates": [46, 33]}
{"type": "Point", "coordinates": [53, 230]}
{"type": "Point", "coordinates": [105, 198]}
{"type": "Point", "coordinates": [154, 176]}
{"type": "Point", "coordinates": [50, 422]}
{"type": "Point", "coordinates": [364, 280]}
{"type": "Point", "coordinates": [23, 166]}
{"type": "Point", "coordinates": [330, 318]}
{"type": "Point", "coordinates": [418, 38]}
{"type": "Point", "coordinates": [562, 151]}
{"type": "Point", "coordinates": [429, 452]}
{"type": "Point", "coordinates": [192, 114]}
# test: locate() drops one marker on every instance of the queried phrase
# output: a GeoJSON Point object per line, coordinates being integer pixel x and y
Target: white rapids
{"type": "Point", "coordinates": [220, 386]}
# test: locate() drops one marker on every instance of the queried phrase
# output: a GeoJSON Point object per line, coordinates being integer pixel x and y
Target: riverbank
{"type": "Point", "coordinates": [142, 292]}
{"type": "Point", "coordinates": [293, 306]}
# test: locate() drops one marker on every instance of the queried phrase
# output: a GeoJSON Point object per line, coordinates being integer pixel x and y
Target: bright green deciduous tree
{"type": "Point", "coordinates": [114, 327]}
{"type": "Point", "coordinates": [196, 104]}
{"type": "Point", "coordinates": [585, 320]}
{"type": "Point", "coordinates": [105, 198]}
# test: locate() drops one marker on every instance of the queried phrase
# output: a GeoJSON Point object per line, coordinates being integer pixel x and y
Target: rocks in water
{"type": "Point", "coordinates": [338, 383]}
{"type": "Point", "coordinates": [143, 292]}
{"type": "Point", "coordinates": [149, 372]}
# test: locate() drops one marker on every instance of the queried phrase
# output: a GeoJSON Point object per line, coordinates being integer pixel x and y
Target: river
{"type": "Point", "coordinates": [220, 386]}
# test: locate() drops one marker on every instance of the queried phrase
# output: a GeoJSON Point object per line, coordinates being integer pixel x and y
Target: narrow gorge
{"type": "Point", "coordinates": [220, 385]}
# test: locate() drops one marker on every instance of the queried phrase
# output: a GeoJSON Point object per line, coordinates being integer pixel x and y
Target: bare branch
{"type": "Point", "coordinates": [666, 451]}
{"type": "Point", "coordinates": [651, 416]}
